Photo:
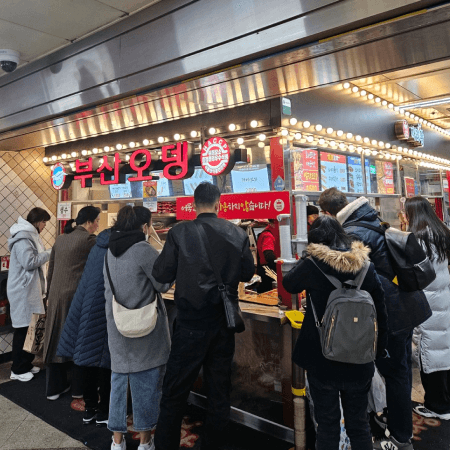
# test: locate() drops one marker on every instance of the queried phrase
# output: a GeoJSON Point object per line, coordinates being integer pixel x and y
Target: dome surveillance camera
{"type": "Point", "coordinates": [9, 59]}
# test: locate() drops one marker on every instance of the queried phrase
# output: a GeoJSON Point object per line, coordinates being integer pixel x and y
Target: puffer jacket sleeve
{"type": "Point", "coordinates": [28, 256]}
{"type": "Point", "coordinates": [299, 277]}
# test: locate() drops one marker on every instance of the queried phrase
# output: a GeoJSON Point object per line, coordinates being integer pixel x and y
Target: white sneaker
{"type": "Point", "coordinates": [56, 396]}
{"type": "Point", "coordinates": [149, 446]}
{"type": "Point", "coordinates": [22, 376]}
{"type": "Point", "coordinates": [425, 412]}
{"type": "Point", "coordinates": [35, 370]}
{"type": "Point", "coordinates": [121, 446]}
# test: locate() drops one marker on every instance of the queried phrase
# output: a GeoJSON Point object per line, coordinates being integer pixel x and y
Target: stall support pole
{"type": "Point", "coordinates": [298, 375]}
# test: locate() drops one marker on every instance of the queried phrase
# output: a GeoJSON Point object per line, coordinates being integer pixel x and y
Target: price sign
{"type": "Point", "coordinates": [4, 263]}
{"type": "Point", "coordinates": [64, 211]}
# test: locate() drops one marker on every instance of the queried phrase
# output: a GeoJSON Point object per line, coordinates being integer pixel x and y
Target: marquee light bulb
{"type": "Point", "coordinates": [74, 154]}
{"type": "Point", "coordinates": [106, 148]}
{"type": "Point", "coordinates": [212, 130]}
{"type": "Point", "coordinates": [391, 106]}
{"type": "Point", "coordinates": [380, 144]}
{"type": "Point", "coordinates": [388, 145]}
{"type": "Point", "coordinates": [284, 132]}
{"type": "Point", "coordinates": [377, 100]}
{"type": "Point", "coordinates": [44, 159]}
{"type": "Point", "coordinates": [366, 140]}
{"type": "Point", "coordinates": [349, 135]}
{"type": "Point", "coordinates": [421, 120]}
{"type": "Point", "coordinates": [332, 143]}
{"type": "Point", "coordinates": [119, 146]}
{"type": "Point", "coordinates": [321, 141]}
{"type": "Point", "coordinates": [85, 152]}
{"type": "Point", "coordinates": [374, 153]}
{"type": "Point", "coordinates": [330, 130]}
{"type": "Point", "coordinates": [298, 136]}
{"type": "Point", "coordinates": [358, 137]}
{"type": "Point", "coordinates": [318, 127]}
{"type": "Point", "coordinates": [240, 141]}
{"type": "Point", "coordinates": [232, 127]}
{"type": "Point", "coordinates": [370, 96]}
{"type": "Point", "coordinates": [54, 158]}
{"type": "Point", "coordinates": [342, 146]}
{"type": "Point", "coordinates": [261, 144]}
{"type": "Point", "coordinates": [194, 133]}
{"type": "Point", "coordinates": [384, 102]}
{"type": "Point", "coordinates": [367, 152]}
{"type": "Point", "coordinates": [351, 147]}
{"type": "Point", "coordinates": [310, 138]}
{"type": "Point", "coordinates": [359, 149]}
{"type": "Point", "coordinates": [293, 121]}
{"type": "Point", "coordinates": [339, 133]}
{"type": "Point", "coordinates": [145, 142]}
{"type": "Point", "coordinates": [363, 93]}
{"type": "Point", "coordinates": [127, 157]}
{"type": "Point", "coordinates": [306, 124]}
{"type": "Point", "coordinates": [262, 137]}
{"type": "Point", "coordinates": [412, 116]}
{"type": "Point", "coordinates": [95, 151]}
{"type": "Point", "coordinates": [177, 136]}
{"type": "Point", "coordinates": [346, 85]}
{"type": "Point", "coordinates": [132, 144]}
{"type": "Point", "coordinates": [161, 139]}
{"type": "Point", "coordinates": [63, 156]}
{"type": "Point", "coordinates": [254, 123]}
{"type": "Point", "coordinates": [355, 89]}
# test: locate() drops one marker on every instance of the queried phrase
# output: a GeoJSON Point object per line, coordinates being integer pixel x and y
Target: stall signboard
{"type": "Point", "coordinates": [305, 169]}
{"type": "Point", "coordinates": [215, 156]}
{"type": "Point", "coordinates": [333, 171]}
{"type": "Point", "coordinates": [413, 134]}
{"type": "Point", "coordinates": [385, 177]}
{"type": "Point", "coordinates": [355, 174]}
{"type": "Point", "coordinates": [4, 263]}
{"type": "Point", "coordinates": [64, 211]}
{"type": "Point", "coordinates": [410, 187]}
{"type": "Point", "coordinates": [261, 205]}
{"type": "Point", "coordinates": [150, 199]}
{"type": "Point", "coordinates": [199, 177]}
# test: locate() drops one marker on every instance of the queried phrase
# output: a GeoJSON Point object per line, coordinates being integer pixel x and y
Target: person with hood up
{"type": "Point", "coordinates": [139, 361]}
{"type": "Point", "coordinates": [342, 257]}
{"type": "Point", "coordinates": [67, 261]}
{"type": "Point", "coordinates": [26, 285]}
{"type": "Point", "coordinates": [85, 339]}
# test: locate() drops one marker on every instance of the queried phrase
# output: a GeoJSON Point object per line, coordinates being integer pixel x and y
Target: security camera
{"type": "Point", "coordinates": [9, 59]}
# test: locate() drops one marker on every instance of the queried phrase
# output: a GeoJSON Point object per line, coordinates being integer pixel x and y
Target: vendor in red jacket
{"type": "Point", "coordinates": [266, 255]}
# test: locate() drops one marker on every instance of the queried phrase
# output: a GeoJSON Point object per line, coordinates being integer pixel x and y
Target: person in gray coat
{"type": "Point", "coordinates": [432, 337]}
{"type": "Point", "coordinates": [26, 285]}
{"type": "Point", "coordinates": [139, 361]}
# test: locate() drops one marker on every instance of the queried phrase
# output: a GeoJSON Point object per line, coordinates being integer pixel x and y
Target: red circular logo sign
{"type": "Point", "coordinates": [58, 176]}
{"type": "Point", "coordinates": [215, 156]}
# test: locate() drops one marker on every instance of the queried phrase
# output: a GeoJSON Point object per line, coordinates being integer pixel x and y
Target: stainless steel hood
{"type": "Point", "coordinates": [361, 54]}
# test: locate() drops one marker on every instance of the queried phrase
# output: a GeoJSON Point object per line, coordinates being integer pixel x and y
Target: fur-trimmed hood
{"type": "Point", "coordinates": [345, 261]}
{"type": "Point", "coordinates": [348, 210]}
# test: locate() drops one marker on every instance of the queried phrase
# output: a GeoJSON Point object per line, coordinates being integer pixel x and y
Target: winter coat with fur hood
{"type": "Point", "coordinates": [344, 264]}
{"type": "Point", "coordinates": [406, 310]}
{"type": "Point", "coordinates": [26, 280]}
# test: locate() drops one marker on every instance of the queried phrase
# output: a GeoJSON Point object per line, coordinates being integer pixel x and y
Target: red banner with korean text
{"type": "Point", "coordinates": [260, 205]}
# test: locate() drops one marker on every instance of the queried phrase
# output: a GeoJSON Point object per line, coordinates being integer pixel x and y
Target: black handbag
{"type": "Point", "coordinates": [233, 314]}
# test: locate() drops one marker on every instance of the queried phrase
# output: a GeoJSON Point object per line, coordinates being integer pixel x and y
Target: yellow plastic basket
{"type": "Point", "coordinates": [296, 318]}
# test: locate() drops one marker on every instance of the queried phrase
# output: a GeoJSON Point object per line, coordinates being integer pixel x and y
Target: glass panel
{"type": "Point", "coordinates": [430, 182]}
{"type": "Point", "coordinates": [355, 175]}
{"type": "Point", "coordinates": [381, 176]}
{"type": "Point", "coordinates": [305, 169]}
{"type": "Point", "coordinates": [410, 183]}
{"type": "Point", "coordinates": [333, 171]}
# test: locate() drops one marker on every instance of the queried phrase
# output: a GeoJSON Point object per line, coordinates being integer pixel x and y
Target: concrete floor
{"type": "Point", "coordinates": [21, 430]}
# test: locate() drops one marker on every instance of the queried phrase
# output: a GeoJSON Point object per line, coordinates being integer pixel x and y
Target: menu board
{"type": "Point", "coordinates": [191, 183]}
{"type": "Point", "coordinates": [355, 174]}
{"type": "Point", "coordinates": [333, 171]}
{"type": "Point", "coordinates": [385, 177]}
{"type": "Point", "coordinates": [126, 190]}
{"type": "Point", "coordinates": [250, 178]}
{"type": "Point", "coordinates": [306, 169]}
{"type": "Point", "coordinates": [371, 177]}
{"type": "Point", "coordinates": [410, 187]}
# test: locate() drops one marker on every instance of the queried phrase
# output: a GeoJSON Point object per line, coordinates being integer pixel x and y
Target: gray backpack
{"type": "Point", "coordinates": [349, 329]}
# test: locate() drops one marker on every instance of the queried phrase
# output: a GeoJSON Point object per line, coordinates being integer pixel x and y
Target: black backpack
{"type": "Point", "coordinates": [409, 261]}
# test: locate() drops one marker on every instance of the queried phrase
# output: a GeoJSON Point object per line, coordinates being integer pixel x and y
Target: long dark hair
{"type": "Point", "coordinates": [328, 231]}
{"type": "Point", "coordinates": [131, 218]}
{"type": "Point", "coordinates": [427, 227]}
{"type": "Point", "coordinates": [37, 215]}
{"type": "Point", "coordinates": [86, 214]}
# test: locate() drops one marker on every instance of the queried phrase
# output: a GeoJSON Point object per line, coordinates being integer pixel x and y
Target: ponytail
{"type": "Point", "coordinates": [131, 218]}
{"type": "Point", "coordinates": [86, 214]}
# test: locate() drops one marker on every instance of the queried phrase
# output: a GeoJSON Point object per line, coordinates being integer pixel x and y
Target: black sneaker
{"type": "Point", "coordinates": [89, 416]}
{"type": "Point", "coordinates": [102, 419]}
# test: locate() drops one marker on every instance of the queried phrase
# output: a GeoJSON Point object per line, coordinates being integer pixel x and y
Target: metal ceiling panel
{"type": "Point", "coordinates": [30, 43]}
{"type": "Point", "coordinates": [427, 87]}
{"type": "Point", "coordinates": [66, 19]}
{"type": "Point", "coordinates": [130, 6]}
{"type": "Point", "coordinates": [392, 91]}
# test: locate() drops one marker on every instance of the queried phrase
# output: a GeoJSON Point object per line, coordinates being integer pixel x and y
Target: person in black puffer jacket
{"type": "Point", "coordinates": [343, 257]}
{"type": "Point", "coordinates": [85, 338]}
{"type": "Point", "coordinates": [406, 310]}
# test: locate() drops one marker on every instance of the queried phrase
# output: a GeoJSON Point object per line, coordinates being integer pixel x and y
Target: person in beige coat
{"type": "Point", "coordinates": [67, 261]}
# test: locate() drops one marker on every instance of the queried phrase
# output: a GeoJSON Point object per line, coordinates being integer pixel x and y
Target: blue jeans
{"type": "Point", "coordinates": [397, 373]}
{"type": "Point", "coordinates": [354, 398]}
{"type": "Point", "coordinates": [146, 388]}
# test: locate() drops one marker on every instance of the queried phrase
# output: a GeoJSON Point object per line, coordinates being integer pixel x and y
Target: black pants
{"type": "Point", "coordinates": [192, 349]}
{"type": "Point", "coordinates": [97, 382]}
{"type": "Point", "coordinates": [397, 373]}
{"type": "Point", "coordinates": [437, 391]}
{"type": "Point", "coordinates": [21, 360]}
{"type": "Point", "coordinates": [60, 375]}
{"type": "Point", "coordinates": [354, 398]}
